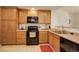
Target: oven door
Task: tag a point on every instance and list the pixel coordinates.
(32, 35)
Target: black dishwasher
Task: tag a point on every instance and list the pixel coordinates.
(68, 46)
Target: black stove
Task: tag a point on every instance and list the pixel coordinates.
(32, 35)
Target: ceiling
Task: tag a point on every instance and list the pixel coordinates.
(40, 7)
(70, 9)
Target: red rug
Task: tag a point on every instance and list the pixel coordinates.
(45, 48)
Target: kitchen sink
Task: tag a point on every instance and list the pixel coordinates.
(62, 32)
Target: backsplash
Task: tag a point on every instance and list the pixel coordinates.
(40, 26)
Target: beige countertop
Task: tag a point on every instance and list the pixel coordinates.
(73, 38)
(39, 30)
(21, 30)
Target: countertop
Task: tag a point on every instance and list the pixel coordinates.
(73, 38)
(39, 30)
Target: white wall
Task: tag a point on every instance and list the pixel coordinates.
(59, 18)
(74, 20)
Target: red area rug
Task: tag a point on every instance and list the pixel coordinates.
(45, 48)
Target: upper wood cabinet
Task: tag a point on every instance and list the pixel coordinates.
(43, 37)
(23, 16)
(9, 13)
(32, 12)
(44, 16)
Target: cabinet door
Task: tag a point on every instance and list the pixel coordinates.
(8, 32)
(47, 17)
(50, 39)
(56, 45)
(44, 16)
(43, 37)
(21, 37)
(0, 32)
(23, 16)
(41, 16)
(8, 38)
(9, 13)
(8, 26)
(0, 24)
(0, 13)
(32, 12)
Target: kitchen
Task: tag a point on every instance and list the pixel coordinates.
(33, 29)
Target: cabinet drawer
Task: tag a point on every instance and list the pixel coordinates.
(21, 41)
(21, 34)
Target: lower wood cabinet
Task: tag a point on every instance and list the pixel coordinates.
(50, 39)
(8, 38)
(54, 41)
(0, 32)
(43, 36)
(0, 25)
(21, 37)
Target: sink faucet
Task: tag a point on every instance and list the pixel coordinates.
(62, 28)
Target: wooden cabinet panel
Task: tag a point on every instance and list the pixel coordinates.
(54, 41)
(44, 16)
(41, 16)
(0, 25)
(0, 13)
(23, 16)
(8, 32)
(8, 26)
(9, 14)
(43, 37)
(56, 44)
(32, 12)
(8, 38)
(21, 37)
(48, 17)
(0, 32)
(50, 39)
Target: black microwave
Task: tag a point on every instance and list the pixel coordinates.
(32, 19)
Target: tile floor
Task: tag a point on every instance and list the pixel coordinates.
(20, 48)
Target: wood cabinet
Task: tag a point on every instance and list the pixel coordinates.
(23, 16)
(32, 12)
(21, 37)
(9, 13)
(8, 31)
(44, 16)
(0, 25)
(8, 38)
(43, 37)
(0, 13)
(50, 39)
(54, 41)
(8, 25)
